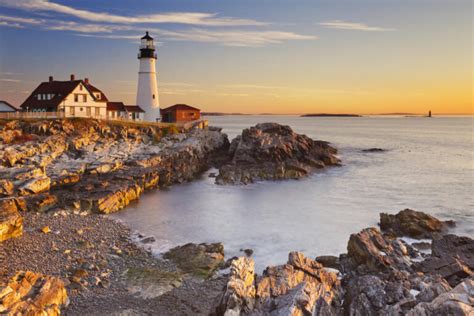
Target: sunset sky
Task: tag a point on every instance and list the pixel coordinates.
(250, 56)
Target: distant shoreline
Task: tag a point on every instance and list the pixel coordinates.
(330, 115)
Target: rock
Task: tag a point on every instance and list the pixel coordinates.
(239, 294)
(200, 260)
(149, 282)
(373, 150)
(413, 224)
(329, 262)
(29, 293)
(6, 188)
(148, 240)
(270, 151)
(458, 301)
(371, 251)
(452, 258)
(46, 230)
(11, 223)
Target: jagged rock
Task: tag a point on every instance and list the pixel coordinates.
(30, 293)
(370, 250)
(6, 188)
(458, 301)
(270, 151)
(413, 224)
(452, 258)
(35, 186)
(239, 294)
(40, 203)
(300, 287)
(11, 223)
(151, 282)
(201, 260)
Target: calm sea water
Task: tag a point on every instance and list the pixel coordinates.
(429, 166)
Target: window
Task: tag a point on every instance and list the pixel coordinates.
(153, 97)
(39, 96)
(71, 110)
(80, 87)
(76, 98)
(97, 111)
(81, 109)
(88, 111)
(98, 95)
(84, 98)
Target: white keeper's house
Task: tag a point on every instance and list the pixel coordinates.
(77, 98)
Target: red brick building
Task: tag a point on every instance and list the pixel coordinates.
(180, 113)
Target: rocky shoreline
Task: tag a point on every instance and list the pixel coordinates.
(59, 252)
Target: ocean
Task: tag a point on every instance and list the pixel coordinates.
(428, 166)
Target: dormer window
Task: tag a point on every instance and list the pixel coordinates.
(39, 96)
(98, 95)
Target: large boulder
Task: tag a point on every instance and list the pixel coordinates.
(413, 224)
(200, 260)
(452, 258)
(458, 301)
(30, 293)
(270, 151)
(300, 287)
(371, 251)
(11, 223)
(239, 295)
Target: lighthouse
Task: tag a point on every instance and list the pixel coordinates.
(147, 91)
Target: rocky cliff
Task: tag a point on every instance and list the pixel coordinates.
(92, 165)
(270, 151)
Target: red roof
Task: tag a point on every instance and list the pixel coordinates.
(134, 108)
(179, 107)
(119, 106)
(60, 89)
(9, 105)
(115, 106)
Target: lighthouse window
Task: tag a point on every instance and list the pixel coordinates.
(153, 96)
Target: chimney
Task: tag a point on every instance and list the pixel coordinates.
(86, 80)
(50, 78)
(73, 77)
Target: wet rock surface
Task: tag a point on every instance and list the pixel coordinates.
(270, 151)
(413, 224)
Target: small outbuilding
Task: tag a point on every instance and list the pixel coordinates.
(118, 110)
(180, 113)
(7, 107)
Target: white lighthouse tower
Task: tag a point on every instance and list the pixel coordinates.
(147, 91)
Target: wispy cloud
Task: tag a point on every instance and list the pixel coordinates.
(9, 80)
(242, 38)
(353, 26)
(15, 19)
(86, 28)
(195, 18)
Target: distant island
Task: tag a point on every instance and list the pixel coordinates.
(220, 114)
(330, 115)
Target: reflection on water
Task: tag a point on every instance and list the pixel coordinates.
(428, 167)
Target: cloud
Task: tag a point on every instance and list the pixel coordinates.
(9, 80)
(342, 25)
(195, 18)
(5, 18)
(86, 28)
(9, 24)
(239, 38)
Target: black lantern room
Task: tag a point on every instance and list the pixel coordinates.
(147, 48)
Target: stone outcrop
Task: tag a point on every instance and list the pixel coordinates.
(95, 165)
(11, 223)
(270, 151)
(379, 275)
(452, 258)
(413, 224)
(30, 293)
(200, 260)
(370, 250)
(458, 301)
(300, 287)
